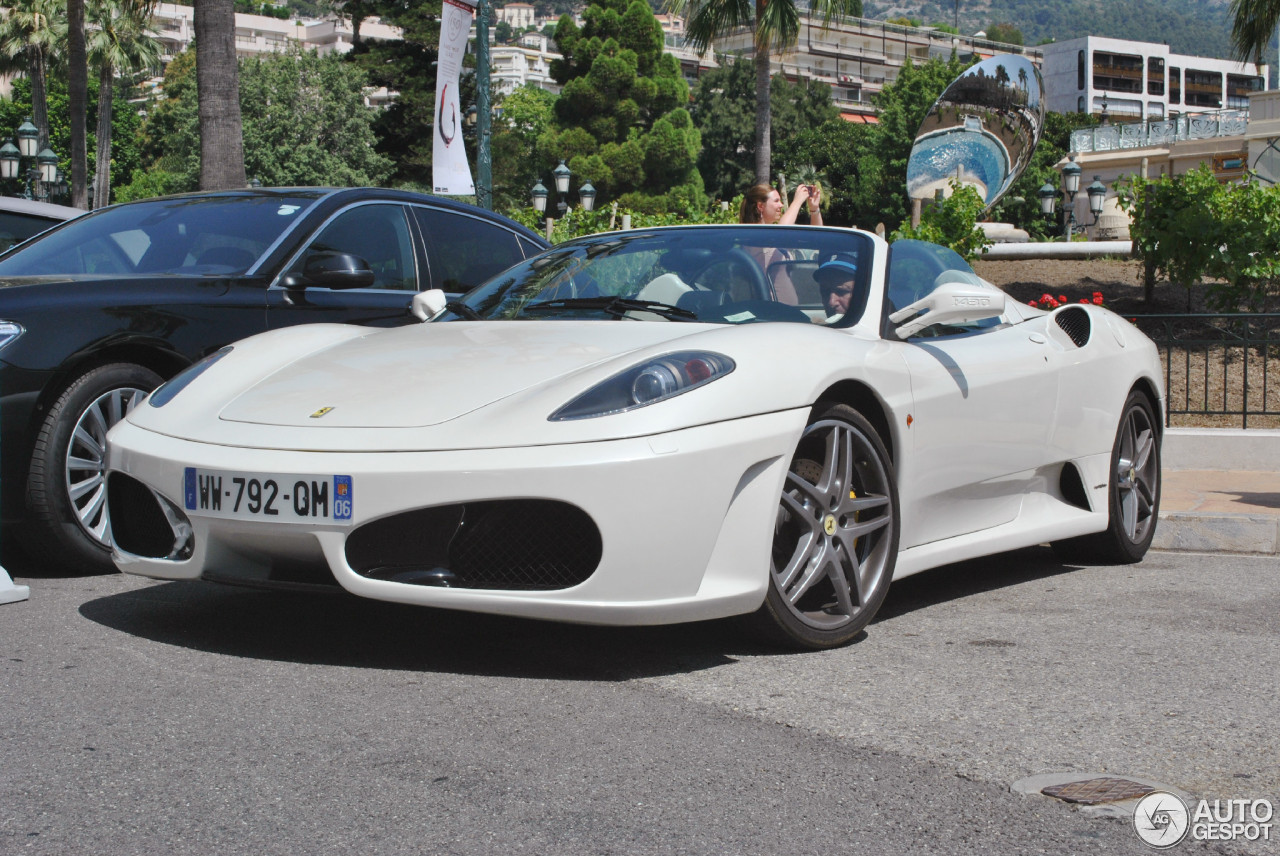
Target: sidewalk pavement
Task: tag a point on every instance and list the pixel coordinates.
(1221, 491)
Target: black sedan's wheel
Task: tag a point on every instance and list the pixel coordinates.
(1133, 496)
(66, 484)
(835, 539)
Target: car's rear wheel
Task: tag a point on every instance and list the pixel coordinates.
(1133, 495)
(66, 483)
(835, 538)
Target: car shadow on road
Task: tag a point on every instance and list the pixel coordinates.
(343, 630)
(972, 577)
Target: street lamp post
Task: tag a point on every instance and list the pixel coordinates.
(41, 173)
(538, 195)
(1097, 193)
(1070, 187)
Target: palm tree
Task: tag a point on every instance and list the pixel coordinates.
(34, 29)
(1253, 23)
(119, 41)
(77, 96)
(218, 94)
(776, 25)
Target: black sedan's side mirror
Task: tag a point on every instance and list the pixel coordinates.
(332, 270)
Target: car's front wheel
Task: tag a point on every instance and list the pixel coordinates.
(66, 483)
(835, 538)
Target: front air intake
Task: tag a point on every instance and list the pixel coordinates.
(143, 523)
(511, 544)
(1075, 322)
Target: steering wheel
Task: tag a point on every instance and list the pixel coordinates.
(760, 287)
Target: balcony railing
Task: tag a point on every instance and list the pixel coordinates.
(1219, 365)
(1136, 135)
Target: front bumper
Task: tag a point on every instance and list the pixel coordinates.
(685, 519)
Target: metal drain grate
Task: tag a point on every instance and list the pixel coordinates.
(1097, 791)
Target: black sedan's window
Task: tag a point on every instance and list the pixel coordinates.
(465, 251)
(184, 235)
(379, 234)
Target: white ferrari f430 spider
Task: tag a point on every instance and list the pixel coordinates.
(655, 426)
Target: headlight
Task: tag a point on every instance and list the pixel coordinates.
(8, 332)
(179, 382)
(652, 381)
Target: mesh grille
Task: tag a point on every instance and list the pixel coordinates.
(1075, 323)
(517, 545)
(138, 526)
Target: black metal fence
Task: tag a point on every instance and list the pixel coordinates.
(1225, 366)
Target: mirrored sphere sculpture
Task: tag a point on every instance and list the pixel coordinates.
(980, 132)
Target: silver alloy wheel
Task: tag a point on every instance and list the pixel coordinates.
(831, 549)
(86, 459)
(1137, 473)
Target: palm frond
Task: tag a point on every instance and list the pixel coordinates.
(779, 25)
(709, 19)
(1253, 23)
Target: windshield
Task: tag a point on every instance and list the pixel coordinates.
(725, 275)
(197, 235)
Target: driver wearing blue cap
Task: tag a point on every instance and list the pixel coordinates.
(837, 277)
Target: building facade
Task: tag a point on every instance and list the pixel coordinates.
(1139, 81)
(858, 57)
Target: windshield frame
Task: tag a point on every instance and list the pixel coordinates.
(704, 268)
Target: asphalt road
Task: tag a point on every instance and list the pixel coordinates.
(173, 718)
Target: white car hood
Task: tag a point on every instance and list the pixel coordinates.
(366, 382)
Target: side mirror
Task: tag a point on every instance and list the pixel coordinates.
(428, 304)
(336, 270)
(955, 302)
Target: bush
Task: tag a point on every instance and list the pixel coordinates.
(951, 222)
(1190, 228)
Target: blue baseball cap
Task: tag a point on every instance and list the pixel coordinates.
(839, 268)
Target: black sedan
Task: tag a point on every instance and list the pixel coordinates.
(98, 312)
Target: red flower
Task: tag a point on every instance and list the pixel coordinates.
(1062, 299)
(1045, 298)
(1097, 300)
(1031, 303)
(1097, 295)
(1084, 300)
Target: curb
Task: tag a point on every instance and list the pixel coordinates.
(1202, 532)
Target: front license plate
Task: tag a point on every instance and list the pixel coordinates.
(276, 497)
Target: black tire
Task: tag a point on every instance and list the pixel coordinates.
(835, 539)
(1133, 494)
(66, 487)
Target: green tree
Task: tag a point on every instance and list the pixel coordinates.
(527, 113)
(724, 113)
(407, 67)
(119, 41)
(622, 122)
(31, 32)
(776, 26)
(1004, 32)
(305, 123)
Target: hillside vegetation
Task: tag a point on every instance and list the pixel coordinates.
(1195, 27)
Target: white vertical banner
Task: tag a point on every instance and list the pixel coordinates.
(450, 174)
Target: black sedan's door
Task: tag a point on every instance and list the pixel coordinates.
(379, 234)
